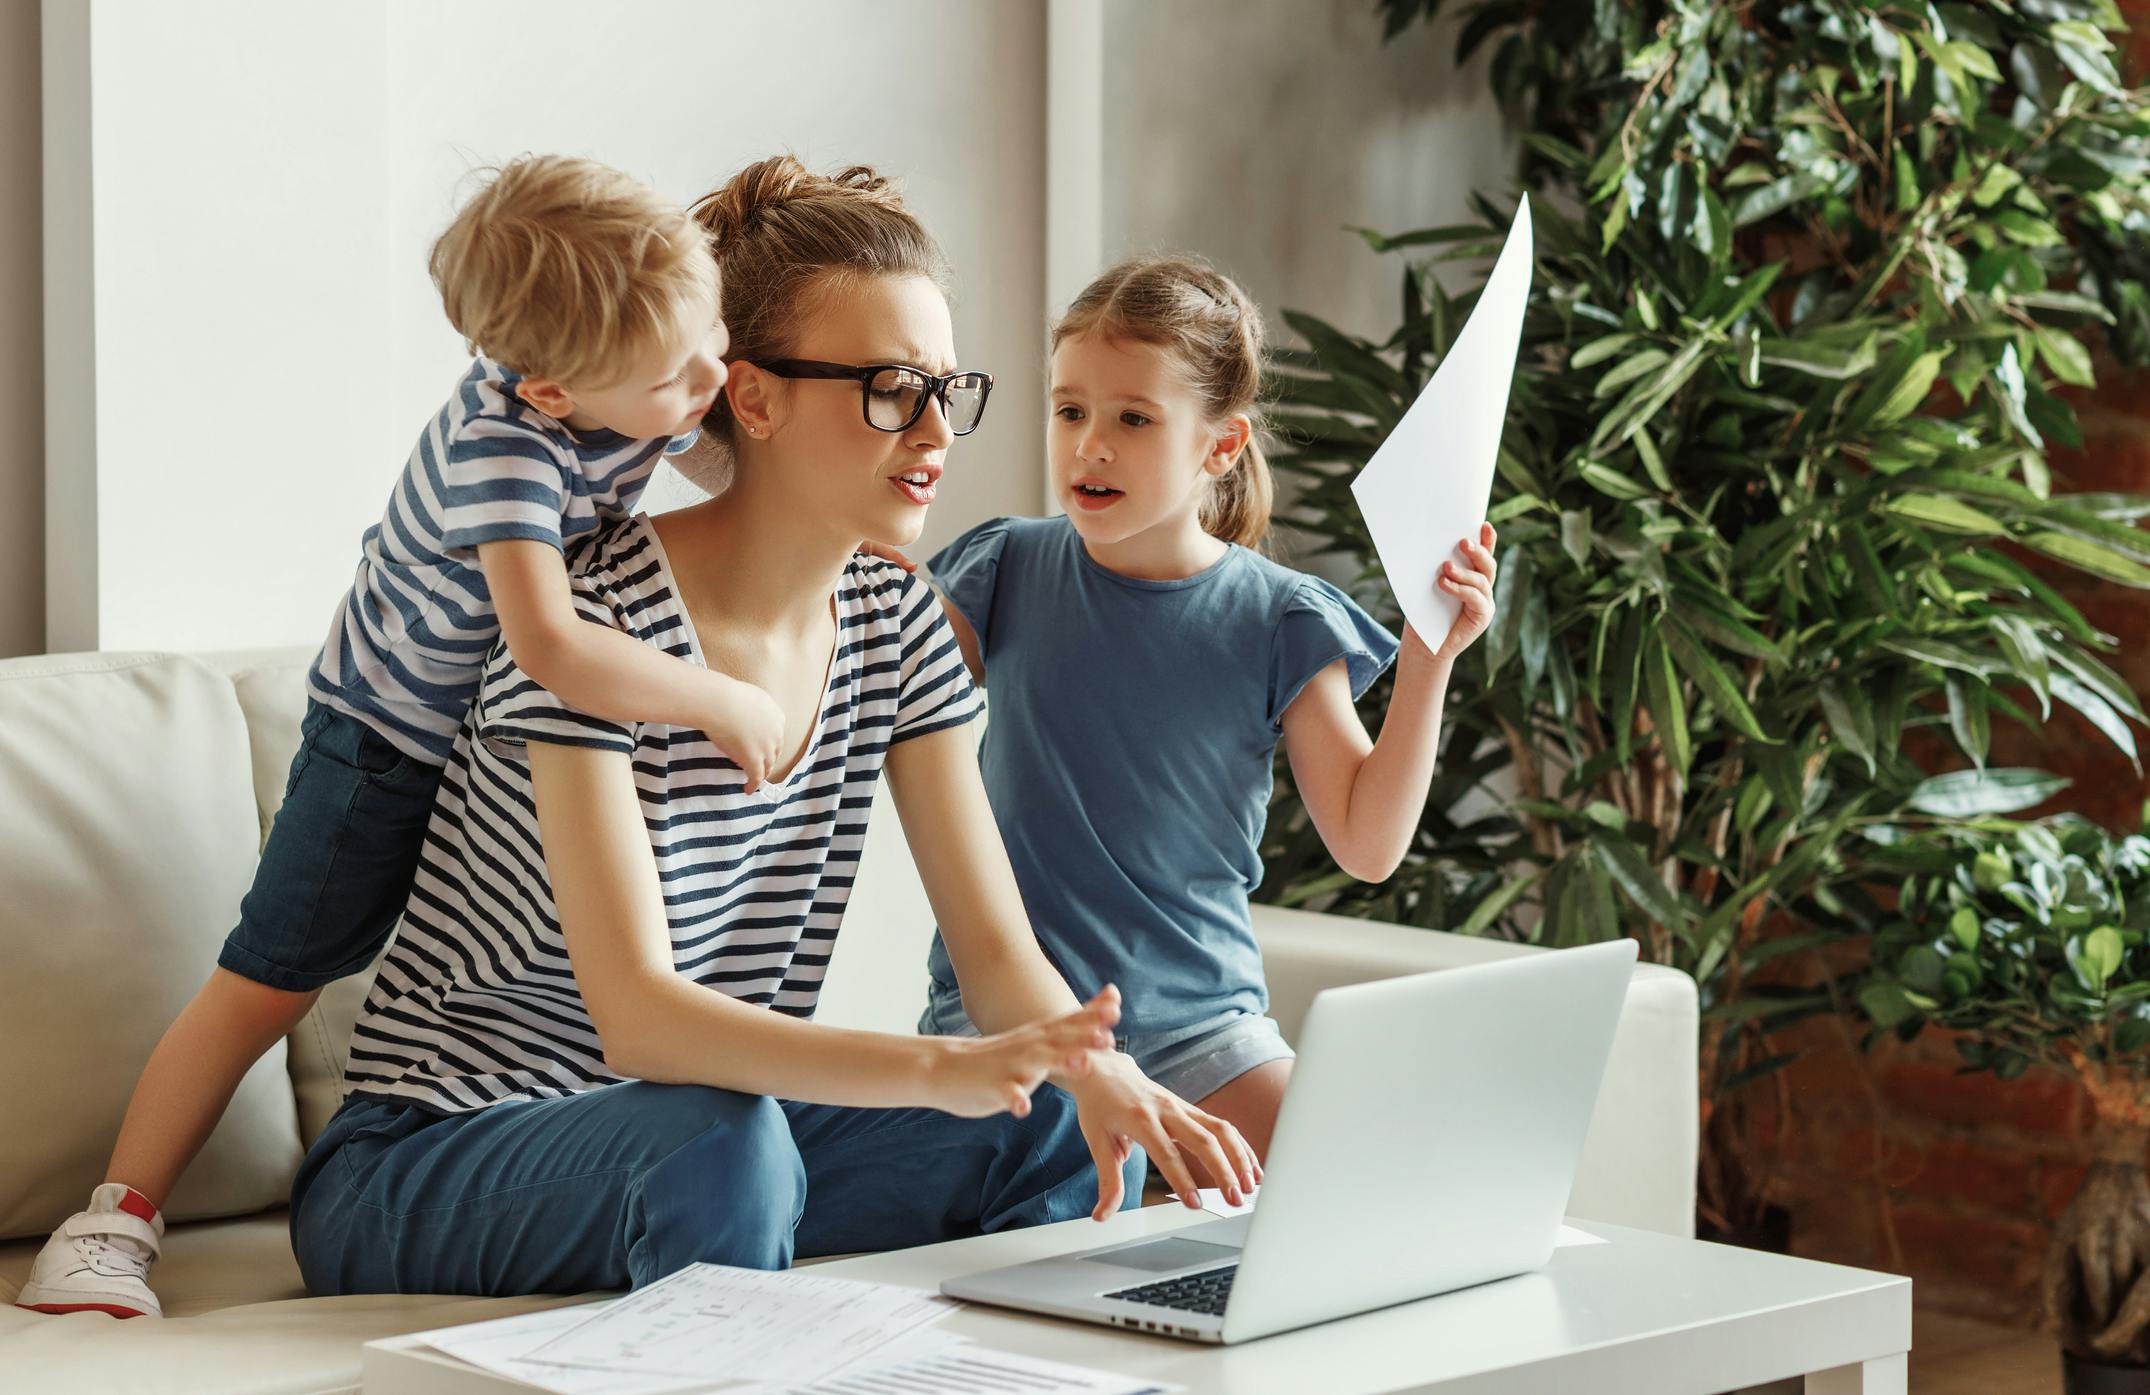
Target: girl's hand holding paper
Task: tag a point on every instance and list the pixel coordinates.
(1470, 584)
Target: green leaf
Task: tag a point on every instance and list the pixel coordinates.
(1511, 592)
(1963, 794)
(2085, 555)
(2100, 680)
(1575, 535)
(1776, 196)
(1712, 227)
(1911, 389)
(1628, 370)
(1947, 514)
(1974, 60)
(2100, 714)
(1668, 710)
(1422, 237)
(1492, 907)
(1707, 619)
(1938, 652)
(1611, 482)
(1967, 719)
(1714, 680)
(1642, 885)
(2102, 953)
(1342, 355)
(1920, 969)
(1819, 360)
(1598, 350)
(1623, 680)
(1885, 1005)
(1851, 720)
(2020, 227)
(2066, 356)
(1653, 464)
(2026, 654)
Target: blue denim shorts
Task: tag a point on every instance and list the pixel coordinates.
(341, 854)
(1192, 1062)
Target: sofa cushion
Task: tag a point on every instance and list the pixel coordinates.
(128, 834)
(237, 1321)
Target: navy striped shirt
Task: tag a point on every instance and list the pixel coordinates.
(476, 1002)
(404, 650)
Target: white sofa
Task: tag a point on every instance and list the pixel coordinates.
(134, 790)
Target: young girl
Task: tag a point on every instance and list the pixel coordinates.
(1147, 660)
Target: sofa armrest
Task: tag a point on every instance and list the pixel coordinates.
(1638, 1166)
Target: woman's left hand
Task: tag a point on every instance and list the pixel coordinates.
(1472, 585)
(1118, 1106)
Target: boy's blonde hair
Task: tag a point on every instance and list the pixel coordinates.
(1195, 312)
(568, 269)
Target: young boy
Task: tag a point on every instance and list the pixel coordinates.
(593, 308)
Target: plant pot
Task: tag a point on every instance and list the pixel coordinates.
(1772, 1232)
(2084, 1375)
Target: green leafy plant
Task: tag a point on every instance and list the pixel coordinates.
(2032, 943)
(1774, 495)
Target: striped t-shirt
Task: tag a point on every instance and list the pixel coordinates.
(404, 650)
(476, 1002)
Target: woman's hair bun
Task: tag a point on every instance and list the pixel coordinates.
(764, 189)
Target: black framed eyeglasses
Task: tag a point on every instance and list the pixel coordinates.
(893, 395)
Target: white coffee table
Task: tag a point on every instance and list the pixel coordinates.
(1643, 1314)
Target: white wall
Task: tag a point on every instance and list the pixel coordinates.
(249, 340)
(263, 181)
(217, 338)
(1256, 131)
(22, 351)
(948, 98)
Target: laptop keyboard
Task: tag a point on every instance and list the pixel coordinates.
(1189, 1293)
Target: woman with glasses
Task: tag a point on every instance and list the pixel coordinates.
(587, 1059)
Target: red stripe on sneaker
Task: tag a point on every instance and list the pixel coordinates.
(136, 1204)
(109, 1309)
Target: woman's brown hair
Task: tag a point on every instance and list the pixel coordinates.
(786, 237)
(1187, 307)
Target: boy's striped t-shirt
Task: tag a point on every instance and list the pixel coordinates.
(476, 1002)
(404, 650)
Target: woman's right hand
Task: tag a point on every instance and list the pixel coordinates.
(977, 1076)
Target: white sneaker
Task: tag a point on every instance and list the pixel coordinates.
(98, 1260)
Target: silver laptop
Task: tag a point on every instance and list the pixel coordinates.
(1428, 1142)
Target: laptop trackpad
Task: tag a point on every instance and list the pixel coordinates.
(1161, 1255)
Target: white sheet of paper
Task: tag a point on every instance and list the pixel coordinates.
(712, 1322)
(498, 1346)
(973, 1370)
(1428, 483)
(1213, 1202)
(1569, 1235)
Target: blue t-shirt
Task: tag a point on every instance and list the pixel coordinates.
(1134, 725)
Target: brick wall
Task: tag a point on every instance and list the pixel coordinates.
(1894, 1161)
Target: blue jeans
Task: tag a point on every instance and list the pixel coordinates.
(620, 1186)
(341, 855)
